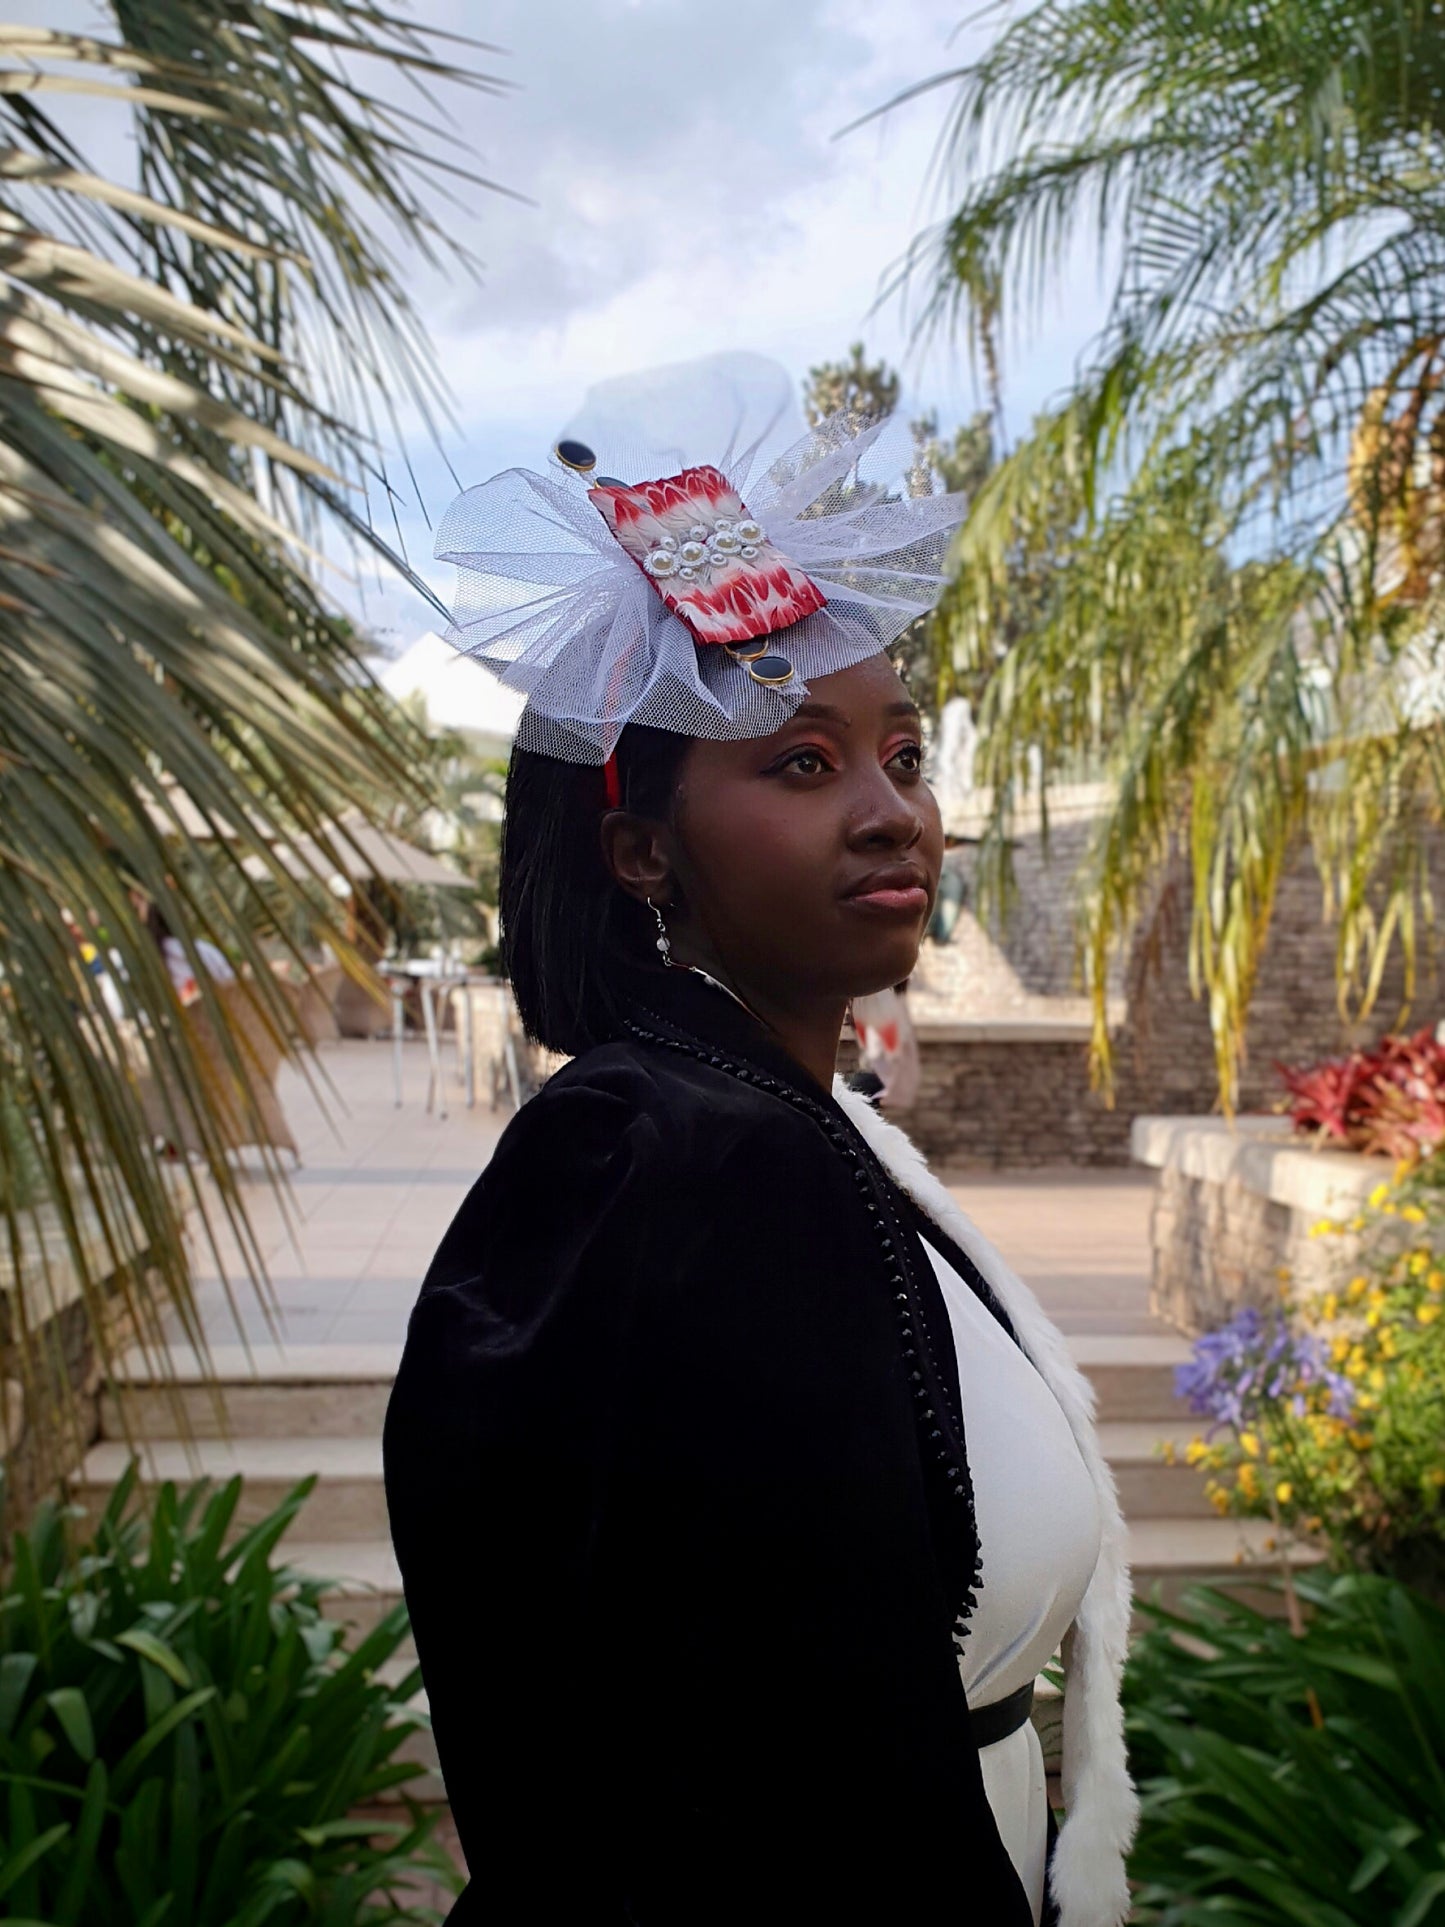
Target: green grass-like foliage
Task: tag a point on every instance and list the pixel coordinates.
(183, 1736)
(1253, 1811)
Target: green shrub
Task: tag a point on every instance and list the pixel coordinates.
(1291, 1779)
(184, 1738)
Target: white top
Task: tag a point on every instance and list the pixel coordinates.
(216, 963)
(1038, 1528)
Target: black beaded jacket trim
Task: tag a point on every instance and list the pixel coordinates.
(937, 1417)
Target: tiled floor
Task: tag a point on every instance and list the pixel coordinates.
(379, 1184)
(1080, 1237)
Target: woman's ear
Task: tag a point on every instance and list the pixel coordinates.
(635, 851)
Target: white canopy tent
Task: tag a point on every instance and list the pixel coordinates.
(458, 693)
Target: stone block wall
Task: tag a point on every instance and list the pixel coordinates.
(1233, 1212)
(1010, 1104)
(1013, 1102)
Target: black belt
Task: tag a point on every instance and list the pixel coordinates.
(995, 1722)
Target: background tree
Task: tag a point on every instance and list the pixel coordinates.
(959, 464)
(193, 368)
(1242, 630)
(865, 389)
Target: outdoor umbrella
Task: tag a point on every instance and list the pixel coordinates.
(361, 851)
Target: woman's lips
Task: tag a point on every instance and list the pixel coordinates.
(910, 900)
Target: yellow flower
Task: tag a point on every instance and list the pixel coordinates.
(1412, 1214)
(1284, 1492)
(1436, 1281)
(1249, 1481)
(1357, 1289)
(1419, 1263)
(1195, 1451)
(1387, 1338)
(1355, 1224)
(1377, 1379)
(1283, 1272)
(1250, 1444)
(1427, 1314)
(1367, 1403)
(1339, 1348)
(1323, 1228)
(1330, 1309)
(1379, 1195)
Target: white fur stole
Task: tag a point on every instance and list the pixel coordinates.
(1087, 1872)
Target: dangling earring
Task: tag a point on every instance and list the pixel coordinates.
(663, 942)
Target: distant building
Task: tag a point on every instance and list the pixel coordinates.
(459, 695)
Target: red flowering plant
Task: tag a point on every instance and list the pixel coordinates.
(1389, 1100)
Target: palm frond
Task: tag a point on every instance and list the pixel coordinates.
(1245, 563)
(234, 317)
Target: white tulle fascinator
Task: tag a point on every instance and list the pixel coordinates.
(692, 558)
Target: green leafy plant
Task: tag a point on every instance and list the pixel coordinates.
(1291, 1778)
(185, 1738)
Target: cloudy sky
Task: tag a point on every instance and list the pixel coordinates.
(688, 189)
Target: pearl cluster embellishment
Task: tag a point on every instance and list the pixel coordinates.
(704, 549)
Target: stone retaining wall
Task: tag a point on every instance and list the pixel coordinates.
(1015, 1102)
(1010, 1097)
(1234, 1209)
(50, 1400)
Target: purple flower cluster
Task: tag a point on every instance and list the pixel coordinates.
(1251, 1362)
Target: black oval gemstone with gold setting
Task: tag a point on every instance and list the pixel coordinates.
(575, 455)
(771, 669)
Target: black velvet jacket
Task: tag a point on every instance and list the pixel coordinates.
(678, 1488)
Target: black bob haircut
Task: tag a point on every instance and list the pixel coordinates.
(570, 935)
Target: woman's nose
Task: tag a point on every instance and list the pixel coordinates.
(883, 815)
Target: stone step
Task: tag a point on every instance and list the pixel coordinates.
(1168, 1555)
(1149, 1487)
(366, 1576)
(1132, 1373)
(302, 1391)
(340, 1391)
(349, 1501)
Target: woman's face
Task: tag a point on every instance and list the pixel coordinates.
(807, 862)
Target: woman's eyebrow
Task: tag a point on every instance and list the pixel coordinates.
(826, 713)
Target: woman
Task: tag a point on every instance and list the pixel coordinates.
(739, 1489)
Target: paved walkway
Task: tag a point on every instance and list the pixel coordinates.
(379, 1184)
(377, 1187)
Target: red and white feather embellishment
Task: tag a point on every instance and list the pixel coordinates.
(709, 560)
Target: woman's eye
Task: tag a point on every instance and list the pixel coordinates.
(808, 762)
(910, 758)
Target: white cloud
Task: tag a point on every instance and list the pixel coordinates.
(689, 193)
